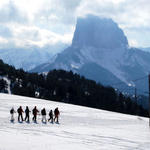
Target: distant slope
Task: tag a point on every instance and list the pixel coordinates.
(98, 73)
(80, 128)
(29, 58)
(24, 58)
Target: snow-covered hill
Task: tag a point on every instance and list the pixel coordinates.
(80, 128)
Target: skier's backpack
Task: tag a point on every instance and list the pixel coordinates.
(42, 111)
(11, 111)
(56, 111)
(51, 114)
(33, 111)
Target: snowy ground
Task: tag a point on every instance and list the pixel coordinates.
(80, 128)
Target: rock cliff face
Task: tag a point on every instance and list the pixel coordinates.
(100, 51)
(99, 33)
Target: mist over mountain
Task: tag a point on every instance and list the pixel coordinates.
(100, 42)
(29, 58)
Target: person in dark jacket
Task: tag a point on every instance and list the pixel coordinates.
(12, 111)
(20, 111)
(51, 116)
(43, 113)
(56, 113)
(27, 114)
(35, 111)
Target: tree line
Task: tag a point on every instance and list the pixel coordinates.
(68, 87)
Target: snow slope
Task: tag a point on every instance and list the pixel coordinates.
(80, 128)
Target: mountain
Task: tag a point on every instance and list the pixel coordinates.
(29, 58)
(80, 128)
(100, 51)
(22, 58)
(98, 33)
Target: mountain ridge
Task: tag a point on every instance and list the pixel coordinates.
(29, 58)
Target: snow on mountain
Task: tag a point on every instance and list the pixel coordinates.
(80, 128)
(99, 41)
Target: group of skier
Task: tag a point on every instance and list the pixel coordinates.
(53, 117)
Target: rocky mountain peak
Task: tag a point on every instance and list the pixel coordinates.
(98, 32)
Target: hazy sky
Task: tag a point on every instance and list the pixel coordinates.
(25, 23)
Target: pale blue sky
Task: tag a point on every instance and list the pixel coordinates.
(27, 23)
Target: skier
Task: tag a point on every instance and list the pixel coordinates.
(27, 112)
(51, 116)
(43, 113)
(12, 111)
(34, 111)
(20, 111)
(57, 113)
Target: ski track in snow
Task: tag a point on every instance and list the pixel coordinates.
(80, 128)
